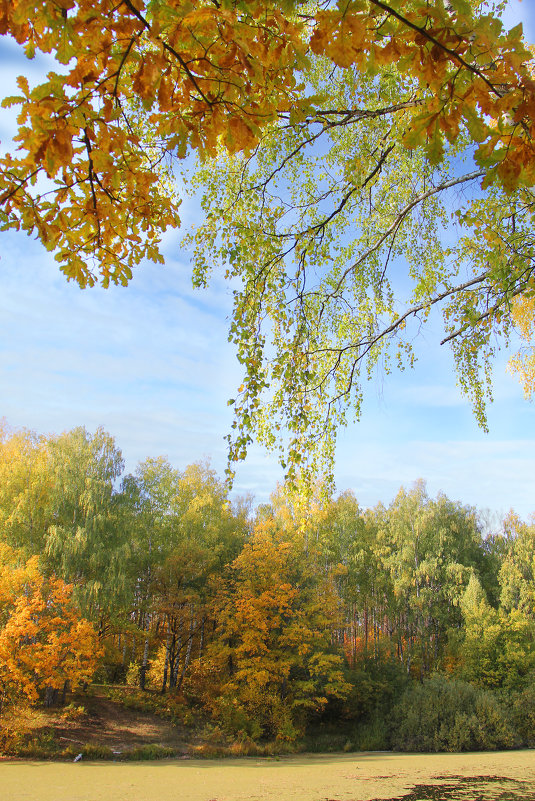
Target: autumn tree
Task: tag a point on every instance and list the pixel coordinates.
(207, 536)
(273, 654)
(25, 490)
(44, 642)
(136, 83)
(342, 136)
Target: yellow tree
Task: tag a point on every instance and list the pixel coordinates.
(44, 642)
(274, 653)
(26, 486)
(523, 363)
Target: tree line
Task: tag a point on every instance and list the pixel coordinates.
(270, 619)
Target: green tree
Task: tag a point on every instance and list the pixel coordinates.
(334, 235)
(431, 548)
(517, 574)
(84, 543)
(498, 647)
(203, 534)
(350, 544)
(149, 517)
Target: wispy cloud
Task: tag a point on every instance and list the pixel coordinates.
(152, 364)
(495, 474)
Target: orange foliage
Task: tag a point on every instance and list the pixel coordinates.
(43, 640)
(276, 623)
(143, 80)
(146, 80)
(478, 76)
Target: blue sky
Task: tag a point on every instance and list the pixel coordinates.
(151, 364)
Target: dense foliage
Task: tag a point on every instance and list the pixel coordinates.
(399, 626)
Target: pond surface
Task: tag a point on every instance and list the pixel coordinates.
(471, 788)
(503, 776)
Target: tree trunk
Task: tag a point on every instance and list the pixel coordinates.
(201, 640)
(51, 696)
(144, 665)
(173, 678)
(166, 663)
(188, 651)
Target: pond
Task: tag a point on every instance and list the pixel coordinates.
(503, 776)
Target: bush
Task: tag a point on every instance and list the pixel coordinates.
(258, 717)
(18, 726)
(40, 745)
(73, 712)
(442, 714)
(327, 741)
(523, 713)
(372, 734)
(132, 674)
(236, 720)
(148, 752)
(96, 752)
(110, 673)
(374, 687)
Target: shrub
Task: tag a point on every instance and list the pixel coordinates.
(132, 675)
(236, 720)
(40, 745)
(72, 712)
(148, 752)
(96, 752)
(523, 713)
(18, 726)
(324, 739)
(110, 673)
(442, 714)
(372, 734)
(375, 685)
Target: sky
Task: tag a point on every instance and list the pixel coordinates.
(152, 365)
